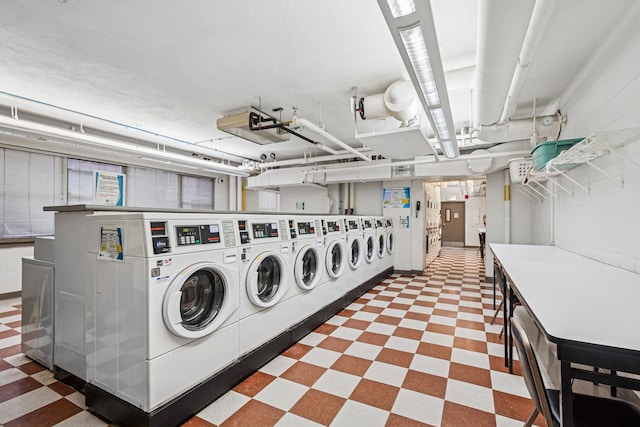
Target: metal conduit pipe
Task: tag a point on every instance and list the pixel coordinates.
(425, 161)
(341, 155)
(542, 12)
(318, 130)
(507, 206)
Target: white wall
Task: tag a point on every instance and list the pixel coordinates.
(368, 198)
(473, 221)
(11, 267)
(315, 199)
(602, 224)
(520, 214)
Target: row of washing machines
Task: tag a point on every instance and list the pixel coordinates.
(180, 298)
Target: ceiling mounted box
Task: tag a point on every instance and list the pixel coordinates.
(238, 123)
(398, 144)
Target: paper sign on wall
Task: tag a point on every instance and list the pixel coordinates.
(108, 188)
(396, 197)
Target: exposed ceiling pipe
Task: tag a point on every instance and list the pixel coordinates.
(430, 159)
(501, 29)
(39, 129)
(341, 155)
(318, 130)
(73, 117)
(542, 13)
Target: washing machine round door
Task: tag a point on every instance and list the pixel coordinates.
(390, 242)
(199, 300)
(307, 267)
(355, 252)
(266, 282)
(371, 248)
(335, 259)
(382, 244)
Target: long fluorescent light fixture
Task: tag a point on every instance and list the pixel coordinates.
(412, 28)
(108, 143)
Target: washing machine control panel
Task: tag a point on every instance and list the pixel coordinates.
(306, 228)
(353, 224)
(292, 229)
(265, 230)
(197, 234)
(379, 223)
(368, 223)
(333, 226)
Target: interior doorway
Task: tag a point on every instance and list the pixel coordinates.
(453, 223)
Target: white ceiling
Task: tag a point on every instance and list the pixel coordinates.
(173, 68)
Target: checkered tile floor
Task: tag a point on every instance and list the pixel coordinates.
(414, 351)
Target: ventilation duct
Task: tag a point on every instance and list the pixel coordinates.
(246, 123)
(398, 101)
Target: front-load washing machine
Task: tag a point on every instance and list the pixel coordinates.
(388, 259)
(166, 297)
(355, 251)
(381, 237)
(265, 277)
(370, 252)
(335, 258)
(308, 267)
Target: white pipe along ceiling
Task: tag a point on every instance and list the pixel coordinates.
(119, 100)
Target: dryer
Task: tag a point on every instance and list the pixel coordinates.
(265, 278)
(166, 296)
(308, 267)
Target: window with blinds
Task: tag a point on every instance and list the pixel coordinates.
(80, 179)
(29, 181)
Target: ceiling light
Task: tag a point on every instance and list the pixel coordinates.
(419, 58)
(401, 7)
(39, 130)
(412, 29)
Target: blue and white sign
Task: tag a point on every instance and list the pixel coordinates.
(108, 188)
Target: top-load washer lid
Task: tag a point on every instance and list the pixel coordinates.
(266, 282)
(382, 244)
(390, 242)
(307, 267)
(335, 259)
(371, 248)
(199, 300)
(355, 252)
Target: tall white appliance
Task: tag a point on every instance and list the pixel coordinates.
(165, 321)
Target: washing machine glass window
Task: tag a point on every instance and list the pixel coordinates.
(307, 268)
(371, 244)
(390, 246)
(268, 279)
(381, 245)
(201, 300)
(334, 260)
(265, 280)
(355, 258)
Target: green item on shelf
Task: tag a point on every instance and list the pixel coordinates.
(546, 151)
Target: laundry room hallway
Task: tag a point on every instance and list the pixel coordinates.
(416, 350)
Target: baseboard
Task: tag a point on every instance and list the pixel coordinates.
(11, 295)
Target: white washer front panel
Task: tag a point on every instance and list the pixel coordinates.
(199, 300)
(266, 284)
